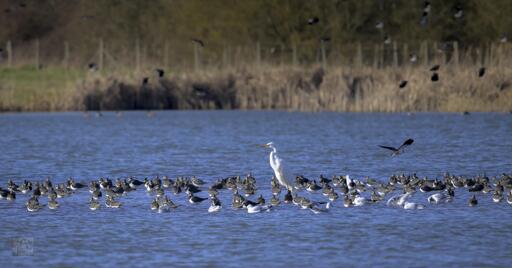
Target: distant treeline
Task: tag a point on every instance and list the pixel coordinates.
(137, 32)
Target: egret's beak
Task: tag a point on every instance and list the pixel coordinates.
(263, 145)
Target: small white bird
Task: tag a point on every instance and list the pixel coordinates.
(277, 165)
(439, 198)
(257, 208)
(398, 200)
(359, 201)
(411, 205)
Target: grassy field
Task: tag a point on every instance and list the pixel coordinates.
(29, 89)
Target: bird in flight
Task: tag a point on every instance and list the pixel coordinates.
(403, 83)
(197, 41)
(481, 72)
(313, 21)
(398, 150)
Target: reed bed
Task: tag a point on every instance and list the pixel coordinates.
(358, 89)
(366, 80)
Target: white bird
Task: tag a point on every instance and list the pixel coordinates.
(412, 205)
(398, 200)
(214, 208)
(439, 198)
(317, 210)
(359, 201)
(257, 208)
(277, 165)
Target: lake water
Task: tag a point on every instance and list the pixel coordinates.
(215, 144)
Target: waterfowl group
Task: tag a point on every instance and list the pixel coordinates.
(408, 192)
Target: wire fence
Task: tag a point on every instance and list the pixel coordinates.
(139, 56)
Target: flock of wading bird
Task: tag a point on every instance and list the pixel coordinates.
(397, 190)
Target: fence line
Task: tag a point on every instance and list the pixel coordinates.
(325, 54)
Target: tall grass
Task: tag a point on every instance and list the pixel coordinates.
(346, 83)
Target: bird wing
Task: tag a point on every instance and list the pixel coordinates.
(389, 148)
(406, 143)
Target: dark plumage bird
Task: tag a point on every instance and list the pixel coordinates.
(504, 38)
(398, 150)
(160, 73)
(426, 7)
(413, 57)
(387, 40)
(325, 39)
(403, 83)
(459, 12)
(435, 68)
(145, 81)
(93, 67)
(473, 202)
(195, 199)
(424, 19)
(481, 72)
(313, 21)
(434, 77)
(197, 41)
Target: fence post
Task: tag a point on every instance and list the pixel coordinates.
(258, 54)
(425, 53)
(405, 55)
(225, 56)
(37, 54)
(455, 56)
(196, 56)
(294, 59)
(9, 54)
(137, 55)
(359, 55)
(100, 54)
(324, 57)
(144, 55)
(66, 55)
(395, 55)
(376, 56)
(166, 54)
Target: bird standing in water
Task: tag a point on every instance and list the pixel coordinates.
(277, 165)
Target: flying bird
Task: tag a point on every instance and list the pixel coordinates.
(426, 7)
(413, 57)
(459, 12)
(504, 38)
(398, 150)
(160, 73)
(434, 77)
(197, 41)
(424, 19)
(313, 21)
(435, 68)
(325, 39)
(93, 67)
(481, 72)
(387, 40)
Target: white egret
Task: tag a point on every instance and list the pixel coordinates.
(277, 165)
